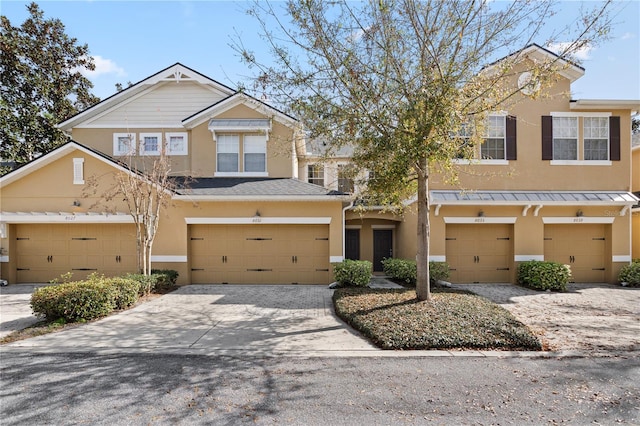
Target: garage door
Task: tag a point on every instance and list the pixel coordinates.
(581, 246)
(479, 253)
(259, 254)
(45, 251)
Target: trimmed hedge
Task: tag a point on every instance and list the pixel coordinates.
(540, 275)
(165, 278)
(630, 274)
(146, 283)
(84, 300)
(353, 272)
(406, 271)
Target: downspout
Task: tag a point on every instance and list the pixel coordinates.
(344, 228)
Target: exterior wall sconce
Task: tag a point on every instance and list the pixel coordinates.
(480, 213)
(579, 213)
(76, 203)
(257, 213)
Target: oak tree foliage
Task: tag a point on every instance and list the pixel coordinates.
(398, 79)
(42, 84)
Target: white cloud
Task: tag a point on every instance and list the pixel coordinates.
(582, 54)
(627, 36)
(104, 66)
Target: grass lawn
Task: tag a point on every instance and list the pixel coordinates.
(395, 319)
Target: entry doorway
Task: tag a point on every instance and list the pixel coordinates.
(352, 244)
(382, 247)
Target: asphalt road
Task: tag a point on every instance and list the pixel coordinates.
(137, 389)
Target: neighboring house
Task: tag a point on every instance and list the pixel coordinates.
(267, 206)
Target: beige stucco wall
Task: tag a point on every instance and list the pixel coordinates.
(51, 189)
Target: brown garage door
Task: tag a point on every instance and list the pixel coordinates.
(479, 253)
(259, 254)
(581, 246)
(45, 251)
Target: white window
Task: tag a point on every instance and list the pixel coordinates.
(345, 182)
(177, 143)
(78, 171)
(315, 174)
(227, 148)
(565, 138)
(124, 143)
(493, 146)
(255, 154)
(150, 143)
(596, 138)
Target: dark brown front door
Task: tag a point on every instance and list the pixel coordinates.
(382, 247)
(352, 244)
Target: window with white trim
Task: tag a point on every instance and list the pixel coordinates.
(315, 174)
(176, 143)
(493, 146)
(565, 138)
(124, 143)
(255, 153)
(345, 181)
(596, 138)
(227, 149)
(150, 143)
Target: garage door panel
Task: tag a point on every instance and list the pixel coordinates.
(261, 254)
(46, 251)
(479, 253)
(581, 246)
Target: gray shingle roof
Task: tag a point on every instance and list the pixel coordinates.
(533, 197)
(228, 186)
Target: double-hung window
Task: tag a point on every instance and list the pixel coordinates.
(228, 153)
(255, 154)
(565, 138)
(315, 174)
(586, 138)
(596, 138)
(150, 143)
(345, 182)
(493, 146)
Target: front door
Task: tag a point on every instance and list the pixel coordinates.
(382, 247)
(352, 244)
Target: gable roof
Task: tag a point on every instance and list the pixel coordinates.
(568, 69)
(173, 73)
(238, 98)
(55, 154)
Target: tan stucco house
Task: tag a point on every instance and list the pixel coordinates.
(264, 206)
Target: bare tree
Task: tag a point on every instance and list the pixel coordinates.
(399, 79)
(145, 186)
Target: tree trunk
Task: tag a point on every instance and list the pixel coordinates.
(423, 287)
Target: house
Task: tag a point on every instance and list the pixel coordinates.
(635, 187)
(266, 206)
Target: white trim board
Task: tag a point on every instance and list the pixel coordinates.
(550, 220)
(257, 220)
(528, 257)
(163, 258)
(479, 220)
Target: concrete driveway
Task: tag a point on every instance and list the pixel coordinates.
(299, 320)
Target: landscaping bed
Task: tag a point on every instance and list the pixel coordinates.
(453, 319)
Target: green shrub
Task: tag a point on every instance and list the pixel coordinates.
(630, 274)
(146, 283)
(544, 275)
(75, 301)
(353, 272)
(127, 291)
(165, 278)
(406, 270)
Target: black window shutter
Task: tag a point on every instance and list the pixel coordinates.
(547, 137)
(512, 152)
(614, 138)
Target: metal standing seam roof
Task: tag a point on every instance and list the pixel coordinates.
(532, 197)
(239, 123)
(229, 186)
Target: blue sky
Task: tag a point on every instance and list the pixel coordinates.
(132, 40)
